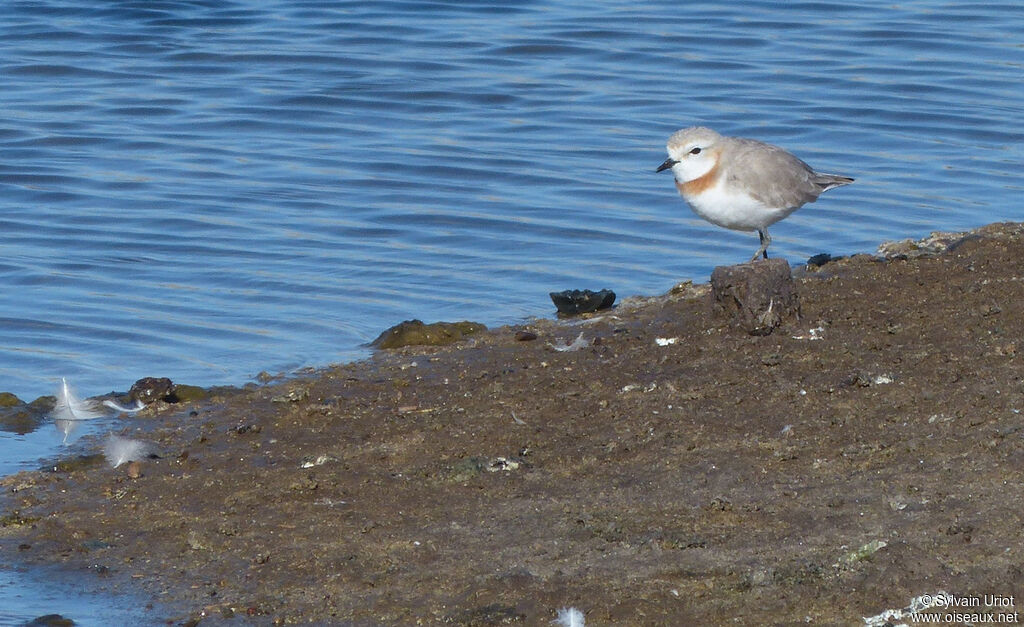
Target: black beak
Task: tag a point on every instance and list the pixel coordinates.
(668, 163)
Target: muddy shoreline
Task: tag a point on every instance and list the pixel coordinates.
(866, 454)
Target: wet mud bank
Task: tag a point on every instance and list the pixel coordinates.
(653, 464)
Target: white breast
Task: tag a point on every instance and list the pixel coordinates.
(734, 209)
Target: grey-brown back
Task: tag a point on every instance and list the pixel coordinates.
(773, 176)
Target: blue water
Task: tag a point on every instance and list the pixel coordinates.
(29, 594)
(205, 189)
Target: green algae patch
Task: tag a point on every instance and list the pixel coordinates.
(467, 469)
(15, 519)
(44, 403)
(82, 462)
(190, 393)
(417, 333)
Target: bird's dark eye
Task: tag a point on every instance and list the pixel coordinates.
(695, 151)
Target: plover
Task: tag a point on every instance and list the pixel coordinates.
(742, 184)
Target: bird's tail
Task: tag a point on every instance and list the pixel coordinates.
(828, 181)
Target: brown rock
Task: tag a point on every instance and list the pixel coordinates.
(758, 296)
(150, 389)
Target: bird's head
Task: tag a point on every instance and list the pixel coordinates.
(692, 153)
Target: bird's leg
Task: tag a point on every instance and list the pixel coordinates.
(765, 241)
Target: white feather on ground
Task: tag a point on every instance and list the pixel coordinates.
(576, 345)
(569, 617)
(139, 406)
(120, 450)
(69, 407)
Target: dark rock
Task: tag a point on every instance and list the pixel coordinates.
(572, 302)
(416, 333)
(821, 259)
(525, 336)
(757, 296)
(9, 400)
(50, 620)
(151, 389)
(266, 377)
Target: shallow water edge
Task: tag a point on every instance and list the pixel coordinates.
(670, 467)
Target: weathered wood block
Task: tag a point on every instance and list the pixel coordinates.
(758, 296)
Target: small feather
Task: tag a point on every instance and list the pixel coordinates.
(576, 345)
(139, 406)
(569, 617)
(120, 450)
(69, 407)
